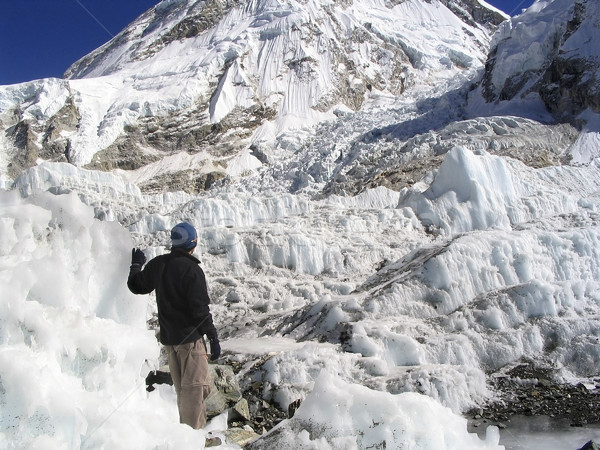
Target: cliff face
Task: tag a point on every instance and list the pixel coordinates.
(547, 52)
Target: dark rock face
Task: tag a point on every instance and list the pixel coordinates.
(568, 81)
(25, 134)
(200, 17)
(571, 85)
(472, 12)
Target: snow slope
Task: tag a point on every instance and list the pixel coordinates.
(385, 311)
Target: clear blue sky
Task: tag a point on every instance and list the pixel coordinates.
(42, 38)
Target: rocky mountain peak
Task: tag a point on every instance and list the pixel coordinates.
(180, 20)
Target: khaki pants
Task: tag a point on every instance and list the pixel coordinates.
(189, 369)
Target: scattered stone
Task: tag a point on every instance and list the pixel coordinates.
(246, 406)
(215, 403)
(224, 390)
(529, 390)
(240, 410)
(212, 442)
(241, 436)
(224, 380)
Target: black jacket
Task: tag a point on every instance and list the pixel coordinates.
(181, 295)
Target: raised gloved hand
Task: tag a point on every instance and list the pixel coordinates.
(215, 348)
(137, 257)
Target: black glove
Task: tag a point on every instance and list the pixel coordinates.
(137, 257)
(215, 348)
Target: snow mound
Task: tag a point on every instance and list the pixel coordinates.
(342, 415)
(74, 344)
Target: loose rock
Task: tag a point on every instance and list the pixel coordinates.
(529, 390)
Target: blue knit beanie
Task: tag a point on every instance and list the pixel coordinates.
(184, 236)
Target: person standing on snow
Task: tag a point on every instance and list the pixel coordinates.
(184, 318)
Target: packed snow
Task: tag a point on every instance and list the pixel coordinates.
(381, 312)
(75, 345)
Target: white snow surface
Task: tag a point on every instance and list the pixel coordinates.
(382, 312)
(510, 270)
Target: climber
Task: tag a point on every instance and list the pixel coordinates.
(184, 318)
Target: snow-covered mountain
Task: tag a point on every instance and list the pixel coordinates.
(398, 206)
(217, 83)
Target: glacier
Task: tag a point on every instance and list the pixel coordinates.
(449, 304)
(385, 308)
